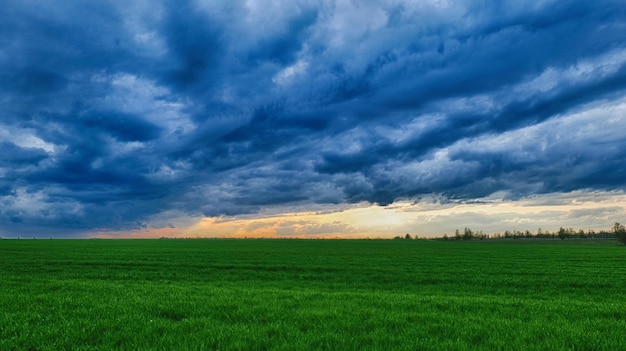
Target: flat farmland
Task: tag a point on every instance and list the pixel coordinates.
(312, 295)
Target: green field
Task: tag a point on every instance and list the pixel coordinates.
(312, 295)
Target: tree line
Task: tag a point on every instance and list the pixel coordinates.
(618, 231)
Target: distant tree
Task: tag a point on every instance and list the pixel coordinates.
(457, 235)
(620, 232)
(408, 236)
(591, 233)
(445, 237)
(482, 235)
(562, 233)
(467, 234)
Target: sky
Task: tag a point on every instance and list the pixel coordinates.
(314, 119)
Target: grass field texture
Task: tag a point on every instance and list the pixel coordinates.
(312, 295)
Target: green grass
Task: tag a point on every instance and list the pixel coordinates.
(311, 295)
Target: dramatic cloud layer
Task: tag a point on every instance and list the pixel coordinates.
(117, 116)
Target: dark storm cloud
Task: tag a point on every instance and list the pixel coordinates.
(196, 45)
(283, 48)
(119, 125)
(16, 156)
(115, 113)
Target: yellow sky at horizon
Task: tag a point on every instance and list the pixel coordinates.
(578, 210)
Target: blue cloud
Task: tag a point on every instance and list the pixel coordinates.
(116, 113)
(196, 47)
(283, 48)
(119, 125)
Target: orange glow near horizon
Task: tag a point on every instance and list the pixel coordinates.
(576, 210)
(360, 222)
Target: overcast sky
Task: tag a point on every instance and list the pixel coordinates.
(321, 118)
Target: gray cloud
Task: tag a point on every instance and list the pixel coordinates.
(113, 114)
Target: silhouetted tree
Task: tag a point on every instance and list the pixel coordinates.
(467, 234)
(620, 232)
(562, 233)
